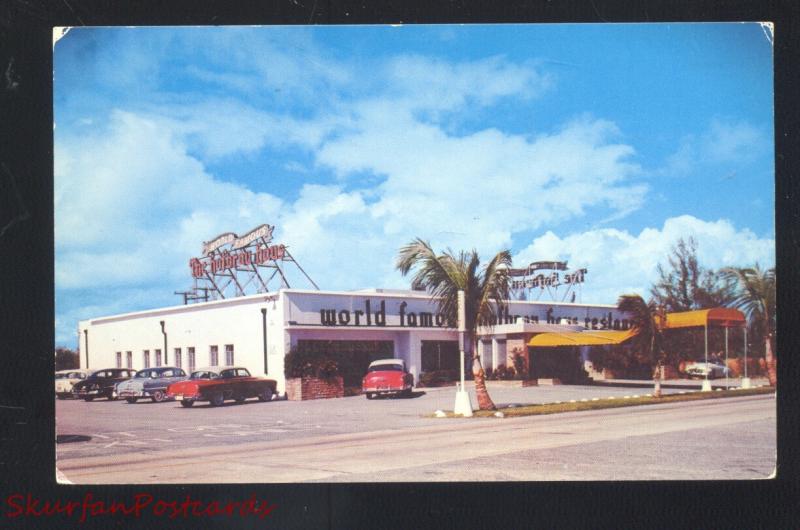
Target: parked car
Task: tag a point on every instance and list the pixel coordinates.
(150, 382)
(218, 383)
(712, 368)
(387, 376)
(66, 379)
(101, 383)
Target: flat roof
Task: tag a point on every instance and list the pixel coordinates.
(266, 297)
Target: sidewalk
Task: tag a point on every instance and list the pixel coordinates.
(683, 384)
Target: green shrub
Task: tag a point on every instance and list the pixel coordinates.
(504, 373)
(300, 363)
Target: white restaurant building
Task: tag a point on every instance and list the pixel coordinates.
(257, 331)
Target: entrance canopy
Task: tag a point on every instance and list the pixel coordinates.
(719, 316)
(581, 338)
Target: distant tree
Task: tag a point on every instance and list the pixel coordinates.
(66, 359)
(684, 285)
(755, 296)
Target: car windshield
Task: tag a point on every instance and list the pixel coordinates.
(143, 374)
(386, 368)
(204, 375)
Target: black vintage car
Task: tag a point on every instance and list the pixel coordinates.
(101, 383)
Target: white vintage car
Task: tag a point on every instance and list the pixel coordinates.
(65, 379)
(712, 369)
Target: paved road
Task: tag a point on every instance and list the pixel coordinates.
(120, 428)
(719, 439)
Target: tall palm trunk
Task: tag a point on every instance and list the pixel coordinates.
(479, 376)
(772, 374)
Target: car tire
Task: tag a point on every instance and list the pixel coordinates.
(217, 399)
(131, 400)
(406, 393)
(186, 403)
(61, 396)
(265, 395)
(88, 398)
(370, 395)
(158, 396)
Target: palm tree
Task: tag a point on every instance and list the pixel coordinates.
(485, 293)
(756, 298)
(642, 317)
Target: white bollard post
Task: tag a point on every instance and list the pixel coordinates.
(463, 404)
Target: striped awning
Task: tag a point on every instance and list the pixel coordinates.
(581, 338)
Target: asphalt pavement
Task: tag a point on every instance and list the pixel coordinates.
(103, 427)
(730, 438)
(659, 441)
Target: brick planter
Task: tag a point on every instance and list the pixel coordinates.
(302, 389)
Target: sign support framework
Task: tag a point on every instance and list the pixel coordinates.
(232, 265)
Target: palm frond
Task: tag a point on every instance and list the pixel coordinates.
(443, 275)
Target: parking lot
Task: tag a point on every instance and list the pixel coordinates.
(103, 427)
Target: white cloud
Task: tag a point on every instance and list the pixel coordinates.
(729, 141)
(131, 205)
(423, 83)
(482, 187)
(620, 262)
(725, 141)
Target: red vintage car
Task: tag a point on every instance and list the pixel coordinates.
(387, 376)
(218, 383)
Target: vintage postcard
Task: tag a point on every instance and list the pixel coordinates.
(413, 253)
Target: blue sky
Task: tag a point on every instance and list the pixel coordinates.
(598, 144)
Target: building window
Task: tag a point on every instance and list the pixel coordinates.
(213, 355)
(439, 355)
(119, 359)
(178, 358)
(190, 353)
(128, 359)
(158, 357)
(146, 358)
(229, 354)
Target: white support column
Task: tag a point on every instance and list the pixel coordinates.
(745, 380)
(495, 354)
(726, 358)
(414, 349)
(706, 383)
